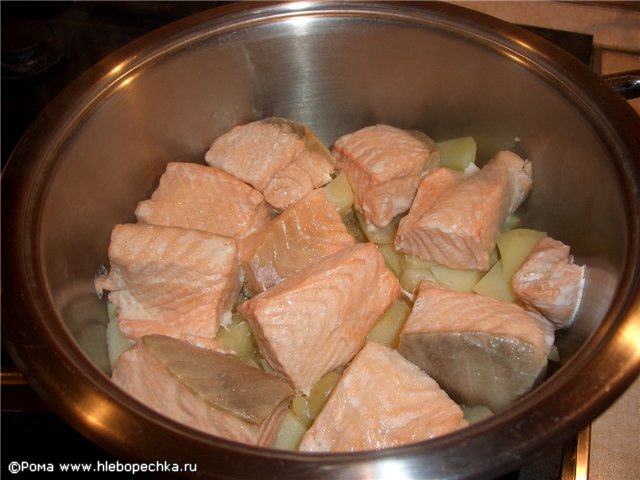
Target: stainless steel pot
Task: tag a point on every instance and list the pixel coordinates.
(99, 148)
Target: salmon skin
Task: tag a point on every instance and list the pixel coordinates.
(318, 318)
(204, 198)
(384, 165)
(171, 281)
(280, 158)
(303, 233)
(480, 350)
(550, 282)
(381, 401)
(203, 389)
(455, 218)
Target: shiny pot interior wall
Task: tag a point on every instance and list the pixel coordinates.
(339, 75)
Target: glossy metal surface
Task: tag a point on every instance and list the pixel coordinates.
(101, 146)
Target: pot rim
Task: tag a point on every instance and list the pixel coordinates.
(52, 360)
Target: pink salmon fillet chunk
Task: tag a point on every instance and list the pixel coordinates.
(303, 233)
(381, 401)
(481, 351)
(318, 318)
(206, 390)
(204, 198)
(550, 282)
(384, 165)
(171, 281)
(455, 218)
(280, 158)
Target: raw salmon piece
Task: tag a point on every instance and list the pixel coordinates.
(206, 390)
(303, 233)
(318, 318)
(280, 158)
(384, 165)
(382, 401)
(171, 281)
(455, 218)
(481, 351)
(550, 282)
(204, 198)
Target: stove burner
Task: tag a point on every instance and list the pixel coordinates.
(28, 48)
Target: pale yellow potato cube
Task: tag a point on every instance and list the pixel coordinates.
(117, 343)
(411, 278)
(383, 235)
(239, 338)
(476, 413)
(387, 329)
(512, 221)
(457, 153)
(456, 279)
(392, 258)
(300, 406)
(320, 392)
(290, 434)
(494, 284)
(411, 262)
(515, 246)
(339, 193)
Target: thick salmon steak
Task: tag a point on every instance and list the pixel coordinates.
(206, 390)
(171, 281)
(455, 218)
(318, 318)
(480, 350)
(384, 165)
(204, 198)
(282, 159)
(381, 401)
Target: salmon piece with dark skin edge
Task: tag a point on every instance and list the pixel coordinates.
(302, 234)
(455, 218)
(480, 350)
(382, 401)
(206, 390)
(550, 282)
(318, 318)
(384, 166)
(280, 158)
(204, 198)
(171, 281)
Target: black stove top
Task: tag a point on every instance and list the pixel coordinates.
(45, 46)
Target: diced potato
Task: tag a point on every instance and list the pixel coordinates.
(456, 279)
(475, 414)
(387, 329)
(339, 193)
(379, 235)
(320, 392)
(117, 343)
(392, 258)
(554, 354)
(300, 406)
(515, 246)
(290, 433)
(457, 153)
(512, 221)
(411, 262)
(411, 278)
(495, 285)
(238, 337)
